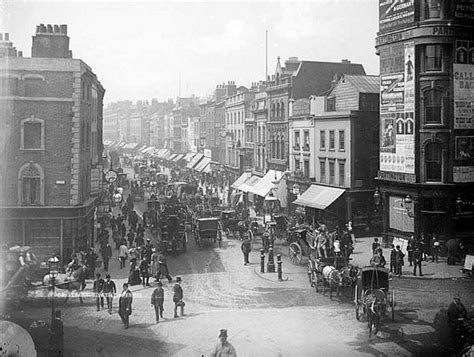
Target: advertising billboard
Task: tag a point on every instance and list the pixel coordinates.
(397, 119)
(395, 14)
(463, 95)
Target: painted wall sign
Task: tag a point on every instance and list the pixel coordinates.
(464, 148)
(463, 173)
(395, 14)
(463, 90)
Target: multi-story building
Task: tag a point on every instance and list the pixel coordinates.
(426, 177)
(185, 108)
(334, 152)
(298, 79)
(260, 113)
(51, 110)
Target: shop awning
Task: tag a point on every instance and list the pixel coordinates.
(189, 156)
(202, 164)
(165, 154)
(171, 157)
(207, 169)
(319, 197)
(265, 185)
(178, 157)
(248, 185)
(195, 160)
(244, 177)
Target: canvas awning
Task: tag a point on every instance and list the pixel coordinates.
(171, 157)
(207, 169)
(165, 154)
(244, 177)
(319, 197)
(202, 164)
(195, 160)
(248, 184)
(189, 156)
(178, 157)
(265, 185)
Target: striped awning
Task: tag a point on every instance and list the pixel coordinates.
(319, 197)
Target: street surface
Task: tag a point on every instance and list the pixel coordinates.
(263, 316)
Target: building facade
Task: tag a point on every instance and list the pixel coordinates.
(52, 111)
(426, 179)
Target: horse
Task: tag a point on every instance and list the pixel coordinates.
(75, 282)
(331, 278)
(348, 276)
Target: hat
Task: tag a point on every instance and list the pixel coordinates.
(223, 333)
(107, 276)
(457, 297)
(178, 279)
(148, 240)
(160, 283)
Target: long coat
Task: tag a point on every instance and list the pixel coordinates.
(125, 302)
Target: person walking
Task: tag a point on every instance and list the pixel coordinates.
(125, 305)
(417, 259)
(178, 297)
(375, 245)
(163, 268)
(246, 248)
(393, 259)
(410, 250)
(144, 273)
(98, 289)
(434, 249)
(399, 261)
(109, 291)
(106, 253)
(123, 254)
(154, 264)
(157, 299)
(56, 341)
(223, 348)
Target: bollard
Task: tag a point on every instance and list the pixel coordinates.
(280, 276)
(271, 262)
(262, 261)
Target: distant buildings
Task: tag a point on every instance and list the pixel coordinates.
(51, 111)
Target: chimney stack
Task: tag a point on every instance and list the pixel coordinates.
(51, 42)
(1, 36)
(7, 37)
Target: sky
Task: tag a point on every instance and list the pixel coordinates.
(162, 49)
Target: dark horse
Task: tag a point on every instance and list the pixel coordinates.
(74, 282)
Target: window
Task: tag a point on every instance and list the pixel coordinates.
(306, 168)
(297, 140)
(322, 140)
(297, 164)
(332, 172)
(31, 185)
(282, 108)
(432, 101)
(32, 134)
(432, 9)
(433, 58)
(433, 162)
(342, 173)
(282, 147)
(273, 147)
(306, 139)
(322, 170)
(331, 140)
(273, 110)
(342, 138)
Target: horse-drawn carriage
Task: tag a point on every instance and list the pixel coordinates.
(174, 236)
(372, 296)
(230, 224)
(208, 229)
(137, 191)
(282, 228)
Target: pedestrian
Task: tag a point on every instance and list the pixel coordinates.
(399, 261)
(109, 291)
(375, 245)
(56, 341)
(223, 348)
(157, 299)
(144, 273)
(417, 259)
(98, 289)
(393, 259)
(130, 237)
(178, 297)
(125, 305)
(91, 258)
(106, 252)
(123, 254)
(337, 247)
(425, 246)
(378, 259)
(434, 249)
(410, 250)
(163, 268)
(154, 263)
(246, 248)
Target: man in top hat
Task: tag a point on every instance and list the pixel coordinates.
(125, 305)
(157, 299)
(178, 297)
(224, 348)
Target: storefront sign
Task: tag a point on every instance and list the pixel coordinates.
(464, 148)
(394, 14)
(442, 31)
(95, 181)
(463, 84)
(464, 10)
(396, 176)
(463, 173)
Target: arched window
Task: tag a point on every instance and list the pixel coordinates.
(282, 147)
(461, 55)
(273, 109)
(31, 185)
(277, 147)
(282, 109)
(432, 102)
(273, 147)
(433, 162)
(32, 134)
(278, 109)
(263, 159)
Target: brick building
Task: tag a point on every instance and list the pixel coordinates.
(51, 110)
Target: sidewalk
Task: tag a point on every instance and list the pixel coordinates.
(363, 253)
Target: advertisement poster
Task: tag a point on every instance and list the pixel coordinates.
(395, 14)
(391, 92)
(464, 148)
(409, 76)
(463, 96)
(463, 173)
(399, 218)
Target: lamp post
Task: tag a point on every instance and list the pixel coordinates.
(377, 197)
(53, 264)
(459, 204)
(409, 205)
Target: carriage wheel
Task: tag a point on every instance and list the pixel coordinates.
(227, 233)
(295, 253)
(316, 282)
(392, 305)
(219, 239)
(358, 311)
(357, 304)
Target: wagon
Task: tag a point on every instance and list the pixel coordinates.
(174, 236)
(208, 229)
(281, 227)
(230, 224)
(372, 296)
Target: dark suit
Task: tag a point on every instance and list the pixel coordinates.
(125, 306)
(157, 299)
(177, 297)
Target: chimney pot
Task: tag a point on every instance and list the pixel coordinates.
(38, 29)
(43, 28)
(63, 29)
(1, 36)
(56, 28)
(20, 53)
(7, 37)
(50, 28)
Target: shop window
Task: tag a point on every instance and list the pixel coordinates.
(31, 185)
(433, 58)
(322, 140)
(433, 162)
(332, 140)
(32, 134)
(432, 9)
(342, 139)
(432, 103)
(332, 172)
(322, 170)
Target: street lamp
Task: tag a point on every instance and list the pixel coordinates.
(53, 264)
(409, 205)
(459, 204)
(377, 197)
(296, 189)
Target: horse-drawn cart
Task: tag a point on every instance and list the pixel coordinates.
(208, 229)
(372, 296)
(230, 224)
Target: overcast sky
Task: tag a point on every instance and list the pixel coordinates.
(139, 50)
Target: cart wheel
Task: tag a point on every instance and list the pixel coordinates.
(219, 239)
(227, 233)
(357, 311)
(295, 253)
(316, 282)
(392, 305)
(370, 323)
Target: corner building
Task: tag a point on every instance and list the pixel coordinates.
(426, 177)
(51, 119)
